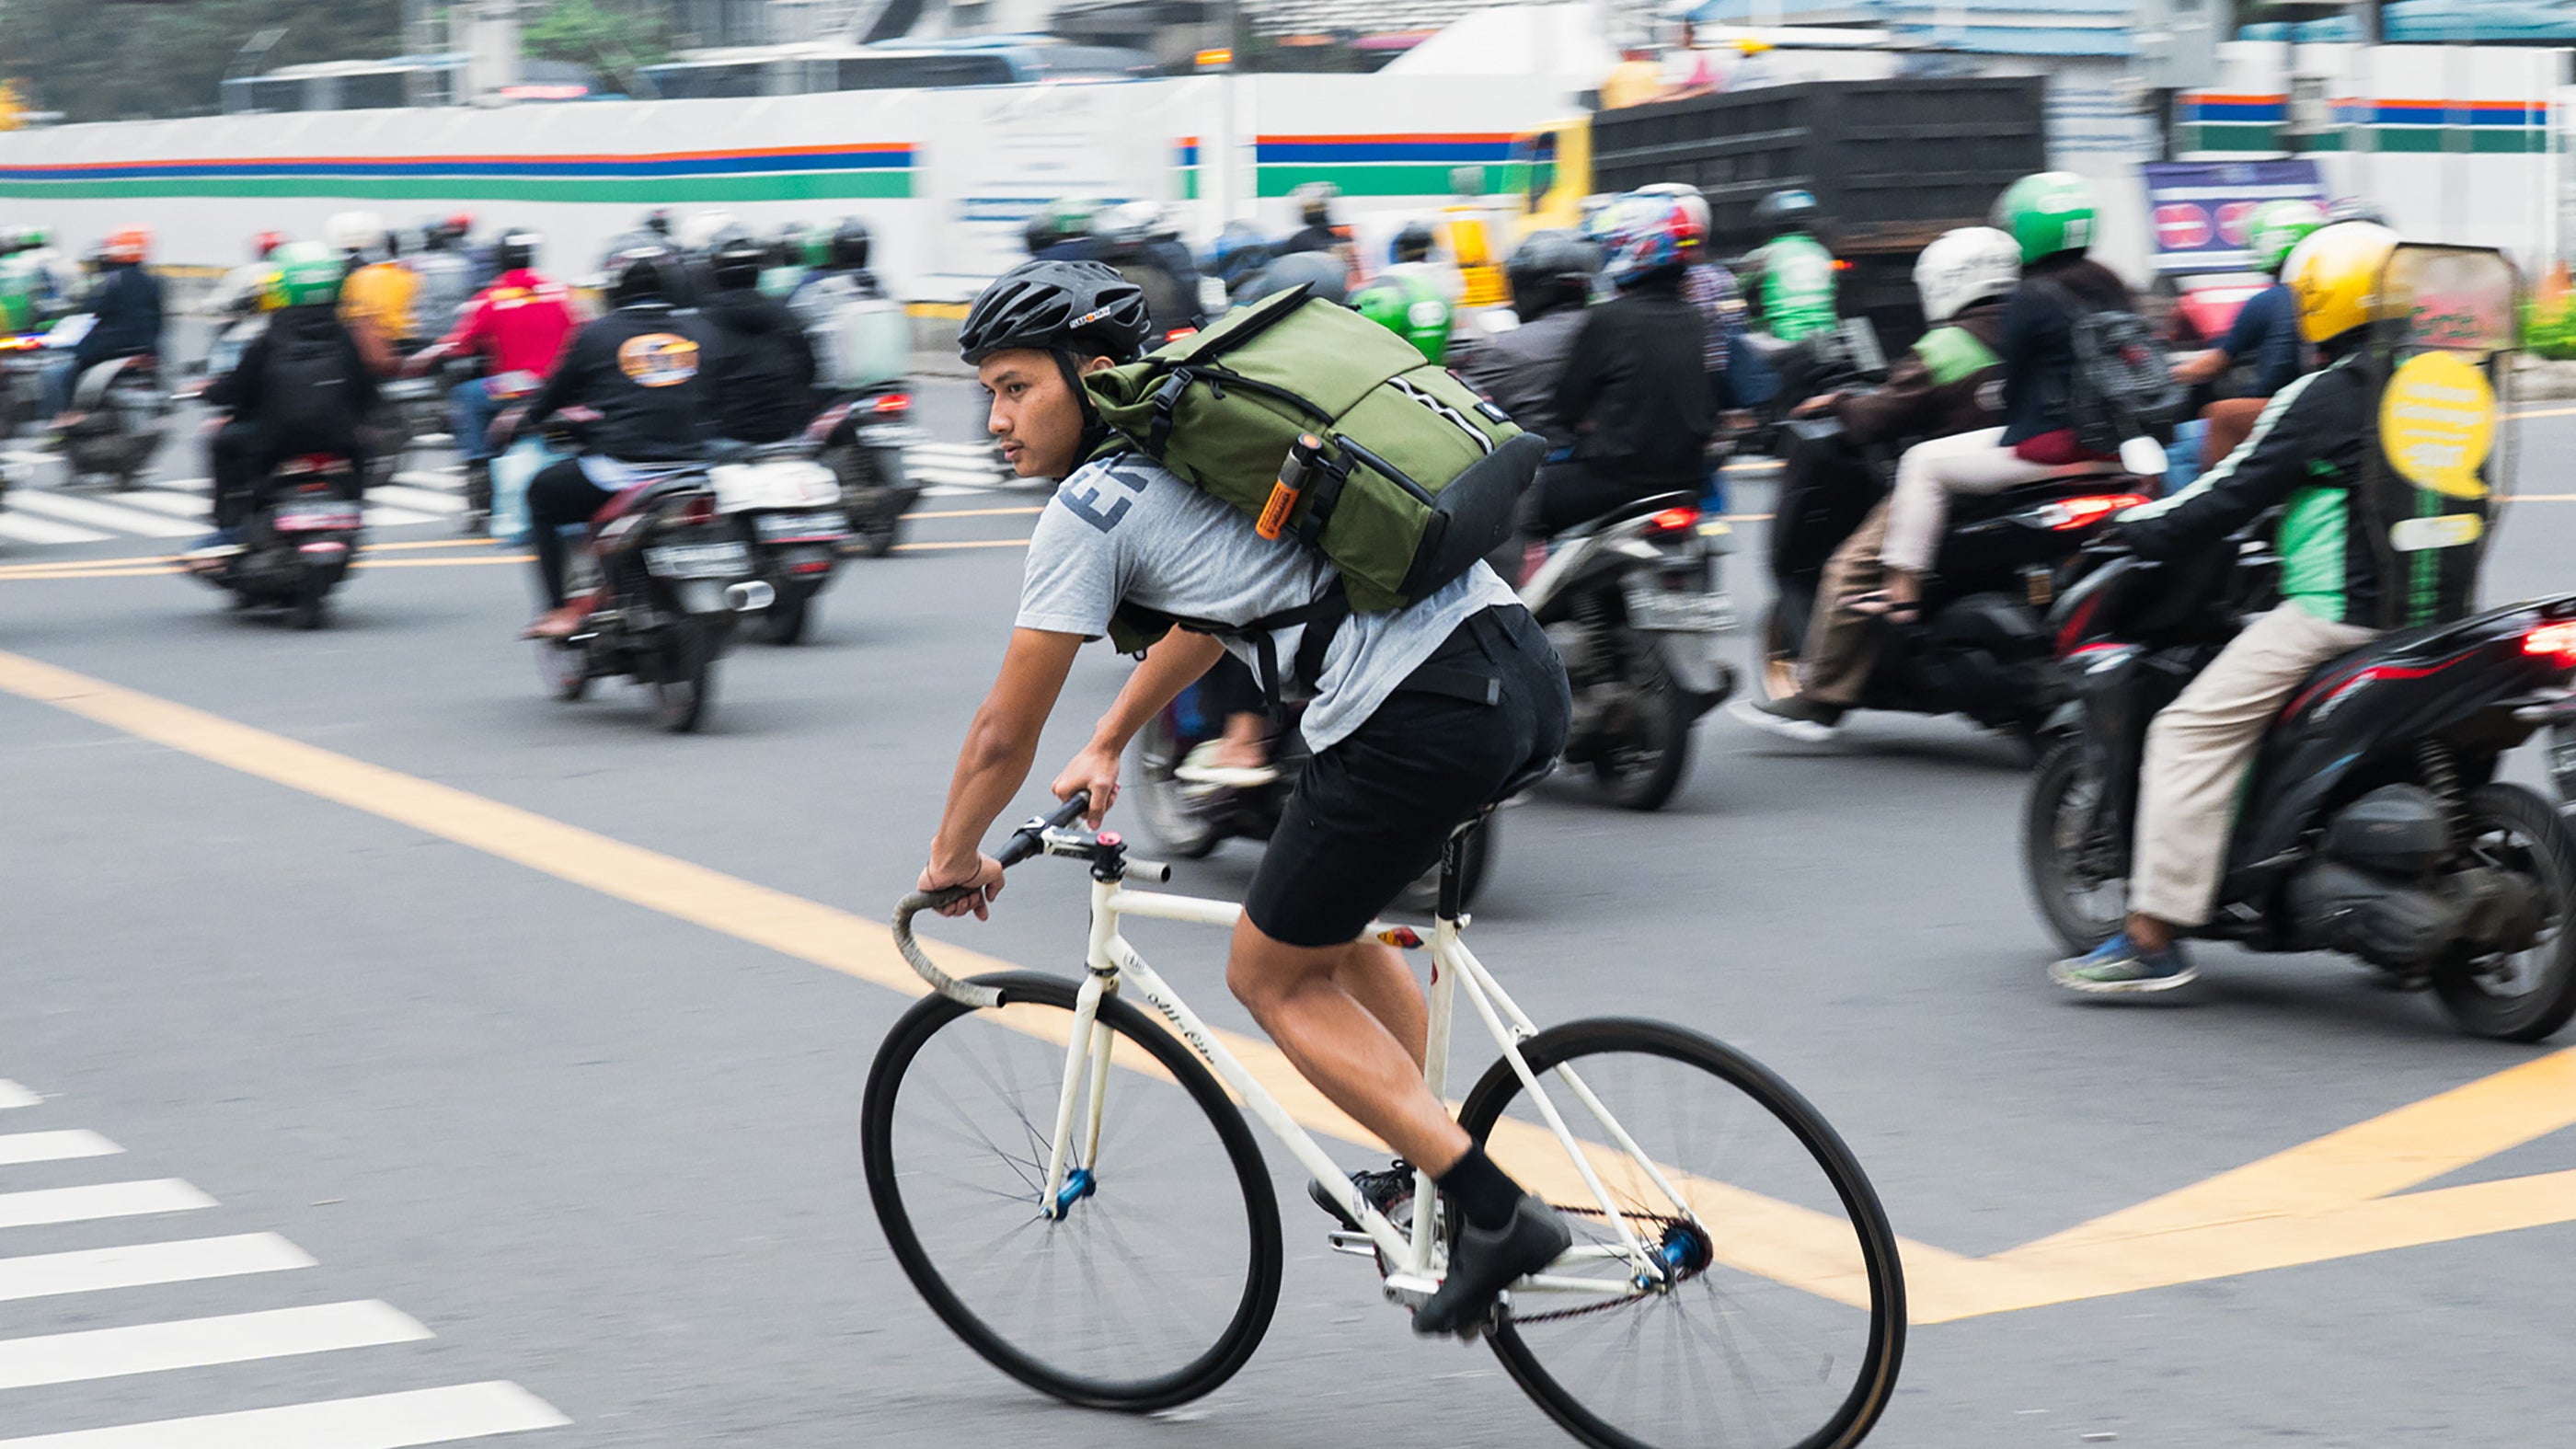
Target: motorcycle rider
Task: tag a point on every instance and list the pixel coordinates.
(1950, 382)
(1636, 389)
(378, 299)
(1793, 272)
(2051, 216)
(1396, 766)
(520, 324)
(1409, 305)
(2307, 456)
(125, 307)
(759, 365)
(301, 386)
(1709, 286)
(243, 289)
(1060, 231)
(2265, 333)
(1316, 231)
(641, 368)
(445, 274)
(1550, 275)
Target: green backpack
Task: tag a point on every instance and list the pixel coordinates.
(1405, 477)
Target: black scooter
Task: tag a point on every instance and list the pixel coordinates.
(862, 440)
(2373, 823)
(296, 545)
(1981, 646)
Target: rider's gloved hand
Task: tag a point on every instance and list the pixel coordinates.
(985, 874)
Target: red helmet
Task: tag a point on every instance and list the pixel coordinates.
(460, 223)
(128, 244)
(265, 242)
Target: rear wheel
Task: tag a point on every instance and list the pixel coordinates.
(1777, 1317)
(1642, 767)
(2524, 995)
(2065, 855)
(1156, 1272)
(311, 604)
(786, 620)
(685, 680)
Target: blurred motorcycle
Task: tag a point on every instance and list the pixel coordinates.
(296, 545)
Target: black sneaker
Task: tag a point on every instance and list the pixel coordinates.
(1485, 1261)
(1389, 1191)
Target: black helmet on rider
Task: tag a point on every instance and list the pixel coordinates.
(737, 258)
(638, 275)
(658, 221)
(1080, 310)
(1551, 270)
(1413, 244)
(1784, 212)
(850, 244)
(516, 250)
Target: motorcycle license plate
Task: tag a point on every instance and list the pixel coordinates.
(1692, 613)
(730, 559)
(776, 527)
(318, 518)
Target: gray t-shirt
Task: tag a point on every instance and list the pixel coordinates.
(1122, 530)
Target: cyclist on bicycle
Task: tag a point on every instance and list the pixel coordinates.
(1422, 717)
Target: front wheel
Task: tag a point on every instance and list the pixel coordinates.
(1776, 1314)
(1641, 767)
(1155, 1274)
(2524, 995)
(2065, 854)
(565, 669)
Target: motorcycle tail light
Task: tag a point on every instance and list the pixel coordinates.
(2554, 641)
(699, 510)
(2072, 513)
(889, 403)
(1674, 520)
(1177, 333)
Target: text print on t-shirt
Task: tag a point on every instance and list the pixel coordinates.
(658, 359)
(1081, 496)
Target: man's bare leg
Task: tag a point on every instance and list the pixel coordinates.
(1321, 1006)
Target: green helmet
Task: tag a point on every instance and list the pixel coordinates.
(35, 236)
(2277, 227)
(2046, 214)
(307, 273)
(1411, 308)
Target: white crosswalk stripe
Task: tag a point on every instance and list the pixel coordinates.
(44, 530)
(94, 514)
(189, 1260)
(382, 1421)
(335, 1335)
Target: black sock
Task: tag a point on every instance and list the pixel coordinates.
(1480, 1189)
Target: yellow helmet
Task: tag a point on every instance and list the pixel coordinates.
(2335, 276)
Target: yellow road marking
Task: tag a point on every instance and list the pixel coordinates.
(2341, 1195)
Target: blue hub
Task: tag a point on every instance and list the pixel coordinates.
(1078, 1184)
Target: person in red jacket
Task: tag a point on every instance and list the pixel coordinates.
(518, 324)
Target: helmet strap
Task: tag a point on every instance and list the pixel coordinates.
(1094, 431)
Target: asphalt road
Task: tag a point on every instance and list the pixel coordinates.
(598, 1142)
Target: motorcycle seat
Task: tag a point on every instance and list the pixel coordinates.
(636, 495)
(2074, 480)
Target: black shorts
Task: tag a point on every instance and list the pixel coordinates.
(1368, 816)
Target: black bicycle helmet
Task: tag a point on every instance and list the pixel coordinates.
(850, 244)
(641, 274)
(658, 221)
(1073, 309)
(1783, 212)
(1321, 273)
(516, 249)
(1549, 270)
(1413, 244)
(737, 258)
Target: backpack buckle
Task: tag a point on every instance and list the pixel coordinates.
(1167, 398)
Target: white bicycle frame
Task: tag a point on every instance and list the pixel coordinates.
(1414, 1262)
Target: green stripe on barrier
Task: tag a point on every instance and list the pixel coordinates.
(637, 191)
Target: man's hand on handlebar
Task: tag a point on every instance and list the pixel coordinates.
(1094, 770)
(982, 883)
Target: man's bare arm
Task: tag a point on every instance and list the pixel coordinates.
(994, 761)
(1172, 665)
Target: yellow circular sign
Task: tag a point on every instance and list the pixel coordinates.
(2437, 423)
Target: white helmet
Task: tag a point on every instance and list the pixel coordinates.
(1964, 266)
(355, 231)
(1685, 193)
(699, 229)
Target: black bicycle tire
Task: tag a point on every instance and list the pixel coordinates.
(1875, 1385)
(1232, 1349)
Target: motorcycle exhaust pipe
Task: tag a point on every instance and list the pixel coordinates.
(750, 597)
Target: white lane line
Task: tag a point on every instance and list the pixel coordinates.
(950, 490)
(178, 505)
(380, 1421)
(395, 517)
(26, 459)
(19, 1147)
(956, 450)
(41, 530)
(100, 515)
(13, 1095)
(186, 1261)
(99, 1200)
(147, 1348)
(429, 500)
(989, 478)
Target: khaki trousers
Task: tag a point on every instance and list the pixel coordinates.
(1842, 647)
(2198, 749)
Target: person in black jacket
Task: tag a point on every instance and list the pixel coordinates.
(2051, 217)
(1636, 392)
(759, 364)
(300, 387)
(125, 310)
(641, 368)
